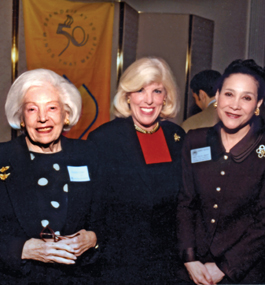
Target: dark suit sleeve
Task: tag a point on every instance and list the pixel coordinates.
(11, 250)
(237, 261)
(11, 239)
(187, 208)
(99, 209)
(96, 220)
(96, 216)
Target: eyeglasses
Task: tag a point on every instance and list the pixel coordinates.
(48, 233)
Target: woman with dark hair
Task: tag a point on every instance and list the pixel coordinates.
(140, 151)
(221, 209)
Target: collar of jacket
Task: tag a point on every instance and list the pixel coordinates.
(243, 148)
(21, 140)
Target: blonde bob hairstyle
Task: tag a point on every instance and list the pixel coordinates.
(68, 93)
(141, 73)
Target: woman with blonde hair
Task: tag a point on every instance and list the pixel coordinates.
(140, 151)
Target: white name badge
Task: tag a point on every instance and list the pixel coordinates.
(201, 154)
(78, 173)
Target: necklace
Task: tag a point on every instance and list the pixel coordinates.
(147, 132)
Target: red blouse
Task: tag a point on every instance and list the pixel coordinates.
(154, 147)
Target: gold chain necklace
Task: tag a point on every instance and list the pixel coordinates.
(147, 132)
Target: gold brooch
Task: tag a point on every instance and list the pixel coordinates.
(261, 151)
(177, 138)
(4, 175)
(4, 168)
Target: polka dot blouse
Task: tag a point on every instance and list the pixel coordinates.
(51, 185)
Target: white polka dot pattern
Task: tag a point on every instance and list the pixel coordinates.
(56, 166)
(44, 223)
(55, 204)
(65, 188)
(42, 181)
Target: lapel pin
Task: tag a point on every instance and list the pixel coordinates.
(176, 138)
(4, 176)
(4, 168)
(261, 151)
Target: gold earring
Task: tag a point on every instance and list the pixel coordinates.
(215, 104)
(67, 122)
(164, 102)
(128, 101)
(22, 124)
(257, 111)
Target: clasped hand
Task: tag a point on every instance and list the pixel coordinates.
(205, 274)
(64, 251)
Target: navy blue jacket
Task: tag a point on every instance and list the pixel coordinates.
(139, 205)
(20, 221)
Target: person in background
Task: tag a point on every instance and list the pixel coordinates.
(46, 185)
(141, 152)
(203, 91)
(221, 208)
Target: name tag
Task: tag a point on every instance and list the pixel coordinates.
(201, 154)
(78, 173)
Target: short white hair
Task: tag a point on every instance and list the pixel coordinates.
(68, 94)
(141, 73)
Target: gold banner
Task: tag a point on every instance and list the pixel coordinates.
(74, 39)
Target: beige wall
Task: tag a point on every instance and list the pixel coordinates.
(5, 70)
(230, 17)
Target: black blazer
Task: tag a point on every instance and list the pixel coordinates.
(139, 205)
(221, 209)
(19, 218)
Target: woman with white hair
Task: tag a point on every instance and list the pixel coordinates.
(140, 150)
(46, 185)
